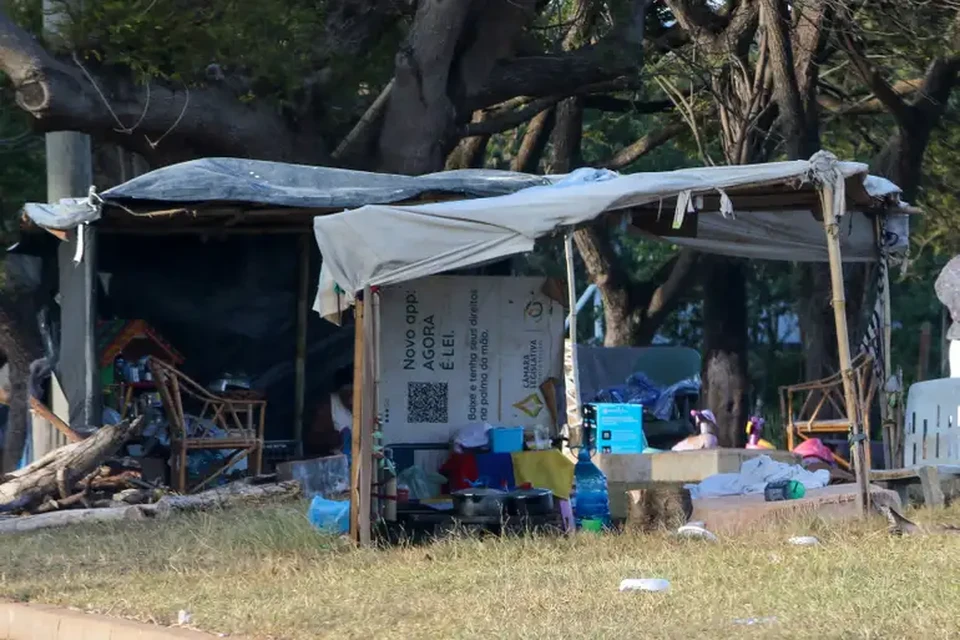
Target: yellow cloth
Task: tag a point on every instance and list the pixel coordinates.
(544, 470)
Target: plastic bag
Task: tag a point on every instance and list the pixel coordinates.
(422, 485)
(331, 516)
(471, 436)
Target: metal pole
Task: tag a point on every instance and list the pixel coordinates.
(573, 398)
(70, 174)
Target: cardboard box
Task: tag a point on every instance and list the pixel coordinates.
(618, 427)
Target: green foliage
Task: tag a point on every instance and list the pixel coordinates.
(23, 175)
(275, 48)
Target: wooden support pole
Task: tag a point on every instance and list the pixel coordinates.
(859, 442)
(361, 445)
(300, 381)
(367, 411)
(356, 457)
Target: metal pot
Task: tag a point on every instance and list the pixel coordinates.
(478, 502)
(530, 502)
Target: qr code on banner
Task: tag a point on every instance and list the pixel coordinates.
(427, 402)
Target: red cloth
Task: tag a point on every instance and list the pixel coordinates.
(460, 470)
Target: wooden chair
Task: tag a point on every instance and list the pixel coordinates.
(823, 409)
(240, 415)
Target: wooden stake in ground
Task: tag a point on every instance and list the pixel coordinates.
(63, 466)
(858, 449)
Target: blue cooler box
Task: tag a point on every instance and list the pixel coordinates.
(618, 427)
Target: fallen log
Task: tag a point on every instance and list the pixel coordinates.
(55, 471)
(233, 494)
(65, 518)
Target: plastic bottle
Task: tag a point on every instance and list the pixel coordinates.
(592, 500)
(783, 490)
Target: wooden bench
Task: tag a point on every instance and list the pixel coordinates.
(927, 476)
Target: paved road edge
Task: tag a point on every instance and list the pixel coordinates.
(42, 622)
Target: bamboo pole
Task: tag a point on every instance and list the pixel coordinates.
(300, 373)
(356, 457)
(885, 408)
(858, 451)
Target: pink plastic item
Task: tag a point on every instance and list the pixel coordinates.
(814, 448)
(566, 514)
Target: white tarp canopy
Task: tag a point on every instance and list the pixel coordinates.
(378, 245)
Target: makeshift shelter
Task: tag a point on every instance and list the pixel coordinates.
(216, 254)
(775, 211)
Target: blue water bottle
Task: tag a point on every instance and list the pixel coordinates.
(592, 508)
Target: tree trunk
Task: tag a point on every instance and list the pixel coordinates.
(62, 467)
(565, 155)
(20, 343)
(725, 346)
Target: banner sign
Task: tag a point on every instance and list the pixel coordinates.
(458, 350)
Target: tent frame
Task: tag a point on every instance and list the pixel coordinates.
(824, 204)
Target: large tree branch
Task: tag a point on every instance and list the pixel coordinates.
(901, 159)
(506, 119)
(809, 40)
(151, 119)
(534, 142)
(673, 280)
(616, 58)
(716, 33)
(786, 90)
(644, 145)
(847, 105)
(604, 266)
(622, 105)
(697, 19)
(897, 107)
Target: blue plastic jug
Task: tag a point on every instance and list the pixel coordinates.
(592, 499)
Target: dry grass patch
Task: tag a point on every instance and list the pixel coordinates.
(267, 574)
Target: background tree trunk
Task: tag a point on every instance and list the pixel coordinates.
(726, 344)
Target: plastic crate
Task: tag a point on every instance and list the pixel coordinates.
(506, 439)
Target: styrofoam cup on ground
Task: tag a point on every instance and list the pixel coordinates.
(697, 533)
(645, 584)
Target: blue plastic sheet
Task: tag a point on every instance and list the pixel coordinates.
(273, 183)
(639, 389)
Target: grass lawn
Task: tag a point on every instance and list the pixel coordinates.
(267, 574)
